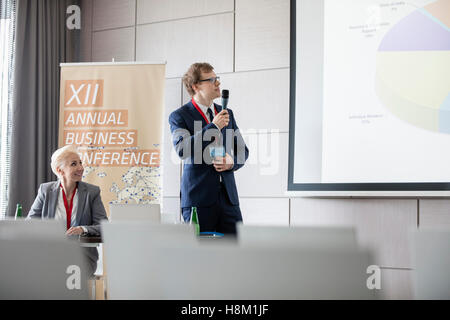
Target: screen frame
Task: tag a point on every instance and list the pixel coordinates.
(343, 189)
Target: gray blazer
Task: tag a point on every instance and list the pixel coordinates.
(90, 210)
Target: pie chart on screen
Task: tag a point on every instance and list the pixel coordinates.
(413, 68)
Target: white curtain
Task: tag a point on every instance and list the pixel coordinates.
(7, 28)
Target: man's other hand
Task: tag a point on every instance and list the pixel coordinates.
(223, 163)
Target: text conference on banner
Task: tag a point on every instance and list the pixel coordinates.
(89, 93)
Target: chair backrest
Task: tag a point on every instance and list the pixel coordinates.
(135, 212)
(42, 268)
(151, 261)
(431, 263)
(32, 229)
(296, 237)
(235, 273)
(129, 251)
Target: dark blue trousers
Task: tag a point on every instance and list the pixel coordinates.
(220, 217)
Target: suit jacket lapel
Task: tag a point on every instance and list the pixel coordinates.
(223, 131)
(218, 108)
(197, 115)
(53, 199)
(82, 193)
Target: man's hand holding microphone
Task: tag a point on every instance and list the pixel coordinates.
(221, 120)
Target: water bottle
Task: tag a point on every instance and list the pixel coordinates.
(194, 220)
(18, 211)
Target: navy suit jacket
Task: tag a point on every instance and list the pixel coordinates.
(200, 181)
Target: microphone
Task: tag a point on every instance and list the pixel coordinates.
(225, 95)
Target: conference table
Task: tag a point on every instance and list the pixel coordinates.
(90, 242)
(93, 242)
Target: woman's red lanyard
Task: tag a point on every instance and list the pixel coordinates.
(68, 208)
(200, 110)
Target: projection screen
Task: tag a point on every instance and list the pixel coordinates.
(370, 97)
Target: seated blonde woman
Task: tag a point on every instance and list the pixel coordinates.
(69, 199)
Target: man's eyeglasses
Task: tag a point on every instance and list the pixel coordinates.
(212, 80)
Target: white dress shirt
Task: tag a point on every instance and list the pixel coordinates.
(205, 110)
(61, 214)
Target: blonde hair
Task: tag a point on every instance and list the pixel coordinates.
(192, 76)
(60, 155)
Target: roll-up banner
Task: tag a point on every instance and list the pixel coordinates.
(113, 113)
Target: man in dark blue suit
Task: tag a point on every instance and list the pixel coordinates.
(200, 128)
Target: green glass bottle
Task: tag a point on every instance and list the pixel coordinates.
(18, 211)
(194, 220)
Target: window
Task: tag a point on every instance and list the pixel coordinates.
(7, 26)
